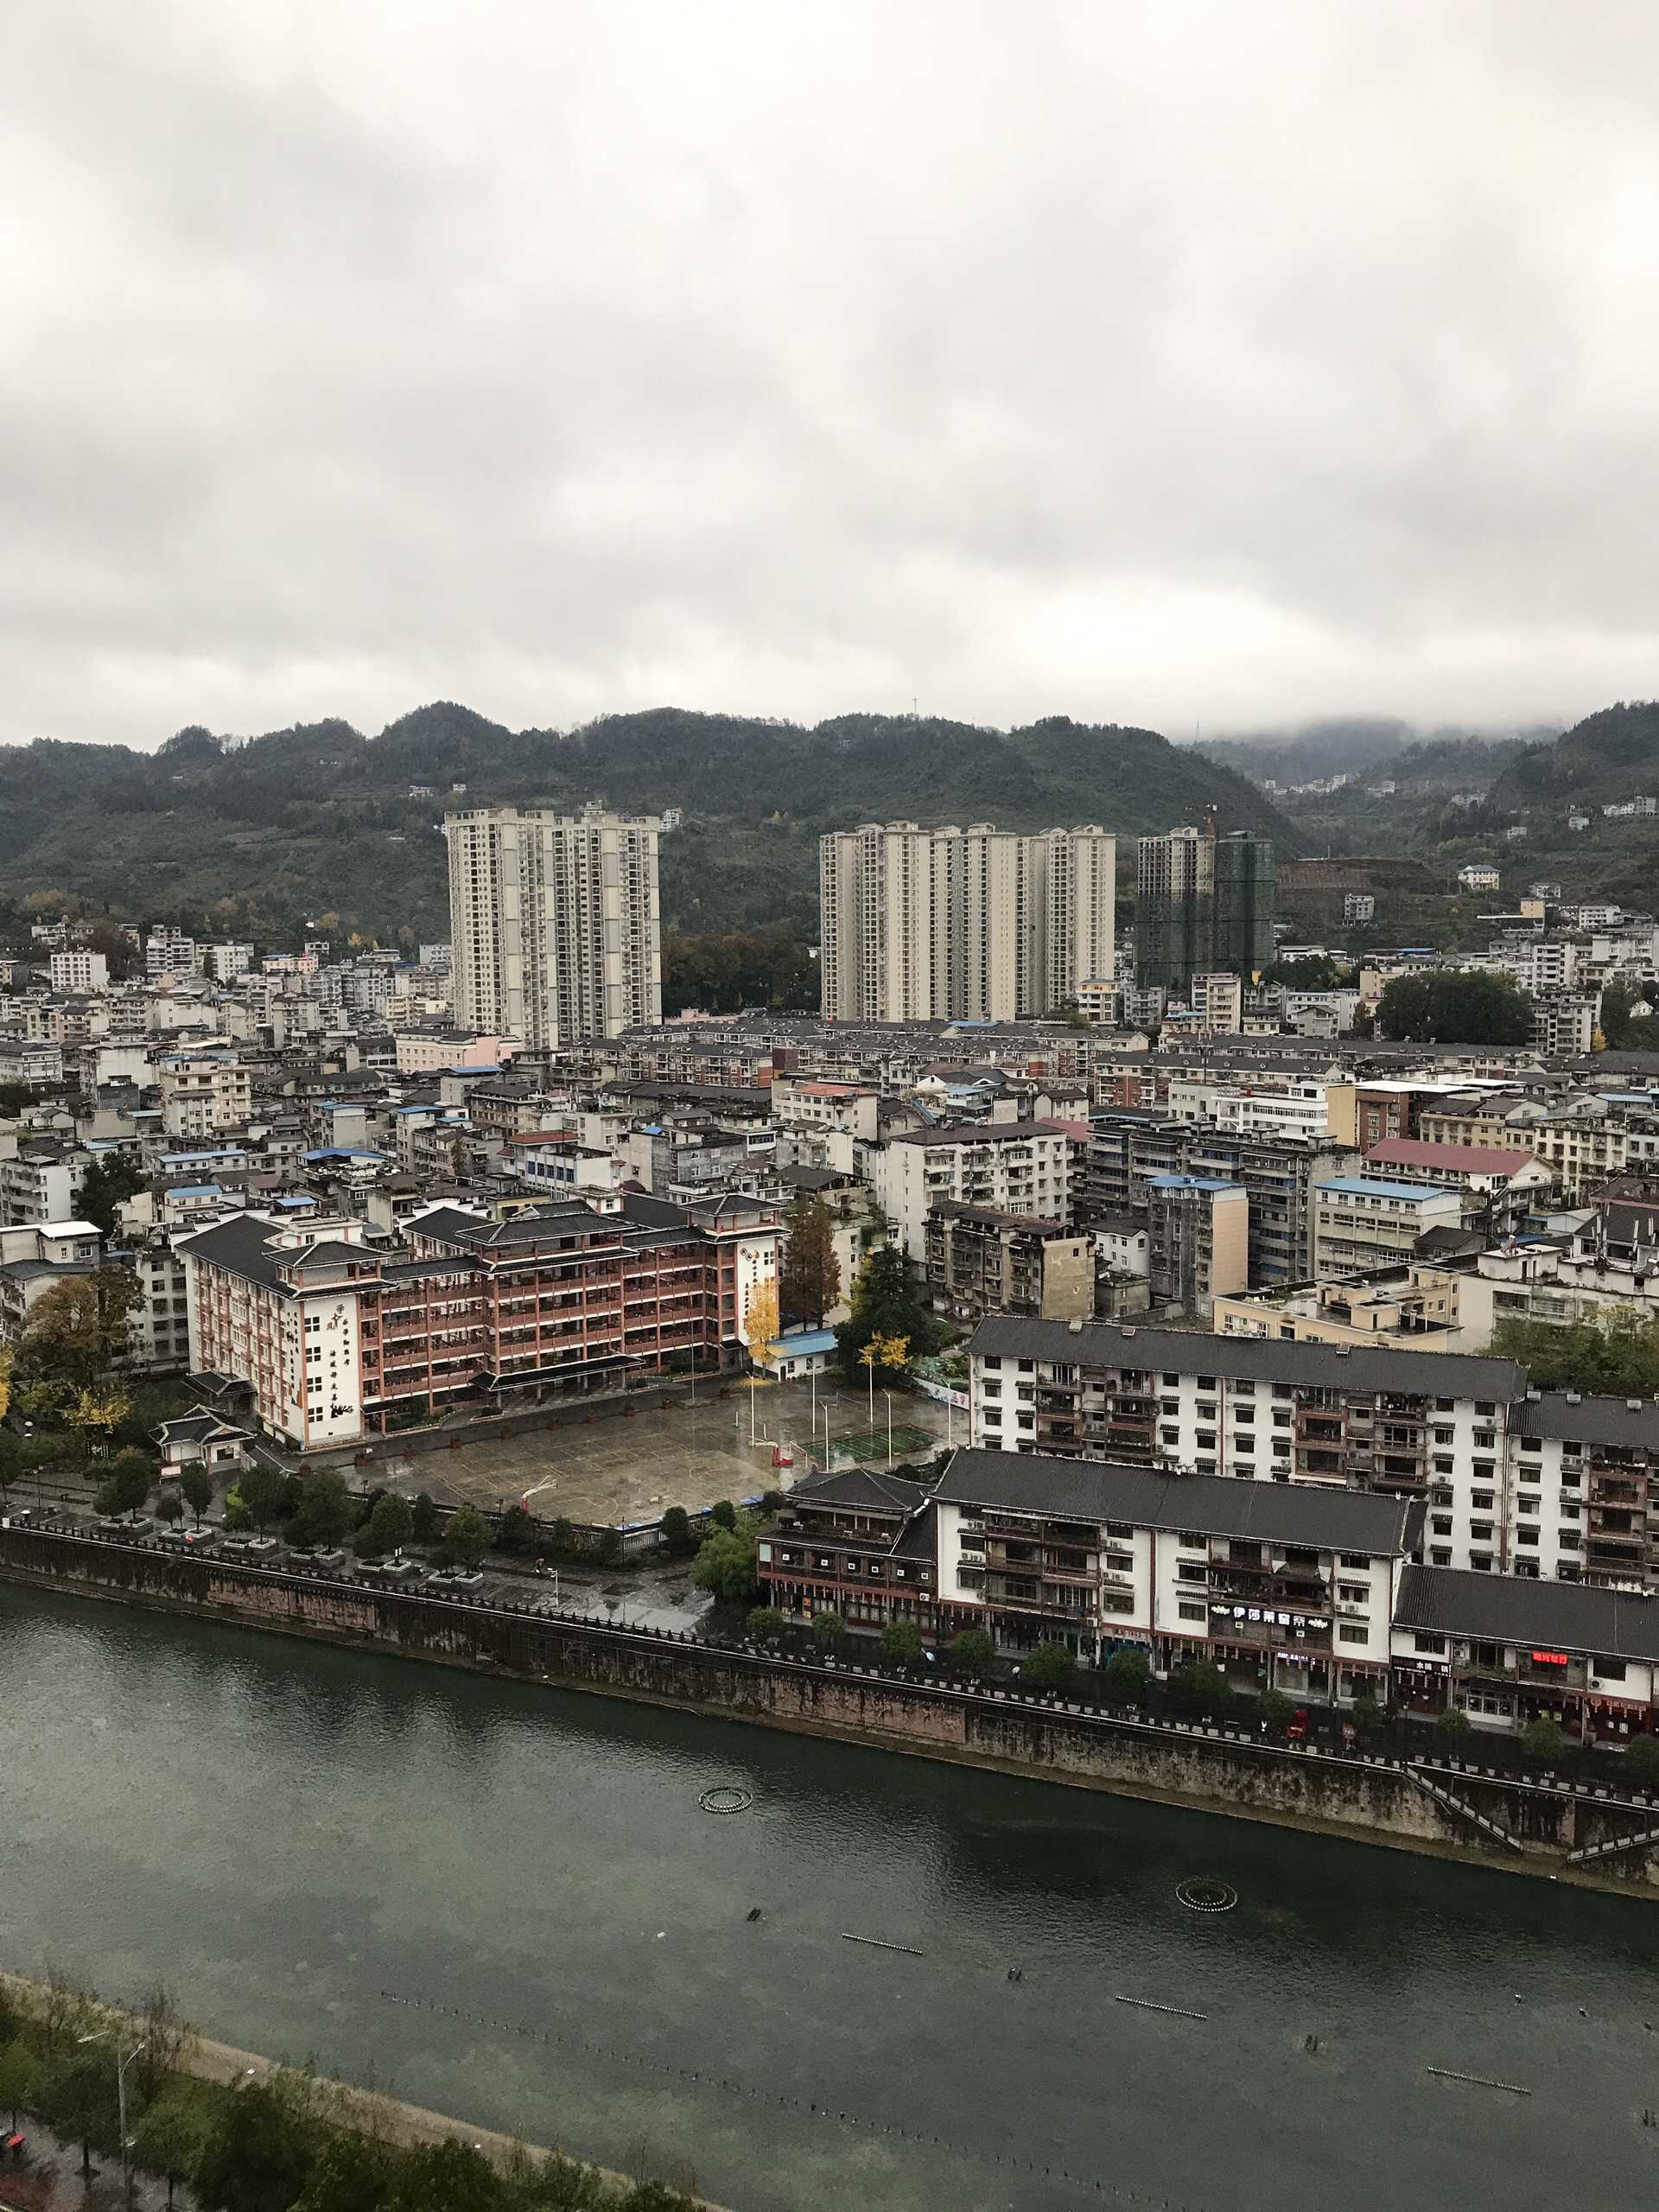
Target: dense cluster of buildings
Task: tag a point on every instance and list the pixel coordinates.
(1224, 1273)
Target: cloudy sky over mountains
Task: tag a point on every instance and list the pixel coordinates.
(1203, 363)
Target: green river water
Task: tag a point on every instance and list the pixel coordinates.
(506, 1903)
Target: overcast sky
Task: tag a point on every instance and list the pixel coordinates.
(1231, 364)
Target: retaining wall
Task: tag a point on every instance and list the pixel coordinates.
(1425, 1805)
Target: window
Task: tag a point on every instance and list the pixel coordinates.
(1354, 1593)
(1351, 1632)
(1430, 1643)
(1119, 1531)
(1190, 1612)
(1526, 1535)
(1611, 1670)
(1356, 1559)
(1171, 1381)
(1120, 1601)
(1442, 1524)
(1191, 1570)
(1190, 1540)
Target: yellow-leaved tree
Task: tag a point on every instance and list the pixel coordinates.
(760, 1321)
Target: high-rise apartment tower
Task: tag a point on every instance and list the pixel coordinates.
(555, 924)
(1202, 905)
(978, 924)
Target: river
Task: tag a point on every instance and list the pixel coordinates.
(507, 1903)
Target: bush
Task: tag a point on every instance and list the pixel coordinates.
(1452, 1727)
(1641, 1766)
(1544, 1741)
(724, 1515)
(1367, 1716)
(765, 1620)
(973, 1650)
(901, 1640)
(828, 1627)
(1126, 1677)
(675, 1528)
(1274, 1708)
(256, 2158)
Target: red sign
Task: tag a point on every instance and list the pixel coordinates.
(1549, 1658)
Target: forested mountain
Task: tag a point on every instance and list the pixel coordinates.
(260, 837)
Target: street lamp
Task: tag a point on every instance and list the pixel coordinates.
(887, 1394)
(122, 2062)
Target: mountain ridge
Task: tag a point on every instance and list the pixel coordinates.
(263, 835)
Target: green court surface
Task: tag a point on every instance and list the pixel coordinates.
(854, 1450)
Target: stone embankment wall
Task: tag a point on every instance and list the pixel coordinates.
(1429, 1805)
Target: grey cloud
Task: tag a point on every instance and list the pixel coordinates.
(1161, 364)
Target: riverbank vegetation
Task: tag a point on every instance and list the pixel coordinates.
(288, 2142)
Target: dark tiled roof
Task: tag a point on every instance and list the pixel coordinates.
(859, 1490)
(1513, 1609)
(1087, 1490)
(1448, 1374)
(1592, 1420)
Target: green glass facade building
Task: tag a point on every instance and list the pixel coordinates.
(1202, 905)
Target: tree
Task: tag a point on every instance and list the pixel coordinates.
(1199, 1687)
(75, 2095)
(1544, 1741)
(675, 1528)
(809, 1276)
(1456, 1005)
(884, 1307)
(325, 1511)
(389, 1527)
(264, 1492)
(765, 1620)
(1273, 1709)
(448, 2177)
(901, 1640)
(828, 1627)
(1317, 972)
(1126, 1676)
(1641, 1761)
(760, 1322)
(127, 1485)
(972, 1649)
(256, 2157)
(169, 1507)
(723, 1514)
(1050, 1667)
(1615, 1355)
(467, 1537)
(520, 1532)
(725, 1565)
(110, 1179)
(608, 1548)
(426, 1527)
(1452, 1727)
(77, 1330)
(198, 1487)
(100, 1410)
(353, 2174)
(1368, 1718)
(169, 2137)
(17, 2078)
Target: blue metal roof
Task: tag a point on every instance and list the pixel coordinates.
(1362, 1187)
